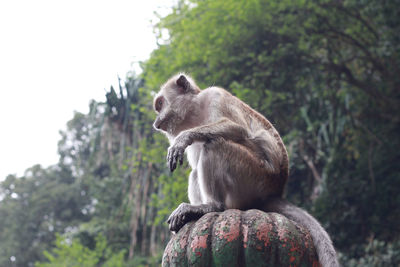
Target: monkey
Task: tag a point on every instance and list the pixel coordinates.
(237, 157)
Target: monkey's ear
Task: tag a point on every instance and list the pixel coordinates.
(183, 83)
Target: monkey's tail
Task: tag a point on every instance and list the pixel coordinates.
(322, 242)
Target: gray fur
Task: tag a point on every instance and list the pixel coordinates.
(321, 240)
(237, 157)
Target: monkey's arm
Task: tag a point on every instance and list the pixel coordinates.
(224, 128)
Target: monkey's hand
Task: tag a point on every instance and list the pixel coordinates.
(183, 214)
(177, 149)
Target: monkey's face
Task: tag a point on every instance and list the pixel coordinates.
(173, 103)
(160, 106)
(168, 118)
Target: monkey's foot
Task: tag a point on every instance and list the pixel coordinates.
(183, 214)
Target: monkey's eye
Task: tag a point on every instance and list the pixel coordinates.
(159, 103)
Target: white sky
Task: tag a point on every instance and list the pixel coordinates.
(54, 57)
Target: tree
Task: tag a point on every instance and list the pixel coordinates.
(76, 254)
(325, 72)
(34, 207)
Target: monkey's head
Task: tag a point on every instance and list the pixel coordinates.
(173, 104)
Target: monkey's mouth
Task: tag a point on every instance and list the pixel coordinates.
(160, 125)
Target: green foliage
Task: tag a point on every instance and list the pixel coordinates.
(174, 191)
(375, 253)
(145, 261)
(76, 254)
(34, 207)
(326, 73)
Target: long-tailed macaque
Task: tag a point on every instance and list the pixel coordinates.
(237, 157)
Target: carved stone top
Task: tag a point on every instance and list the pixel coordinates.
(241, 238)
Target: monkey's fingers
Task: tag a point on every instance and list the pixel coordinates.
(171, 216)
(171, 166)
(180, 156)
(171, 223)
(172, 226)
(177, 157)
(169, 158)
(175, 221)
(172, 162)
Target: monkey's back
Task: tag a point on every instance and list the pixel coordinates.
(242, 114)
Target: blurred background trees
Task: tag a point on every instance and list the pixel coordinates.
(324, 72)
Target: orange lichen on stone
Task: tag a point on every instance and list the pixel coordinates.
(228, 228)
(199, 242)
(263, 232)
(245, 232)
(282, 233)
(229, 232)
(183, 243)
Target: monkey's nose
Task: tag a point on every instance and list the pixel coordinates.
(157, 124)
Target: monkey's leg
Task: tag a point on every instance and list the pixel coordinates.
(229, 175)
(261, 143)
(188, 212)
(233, 176)
(194, 189)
